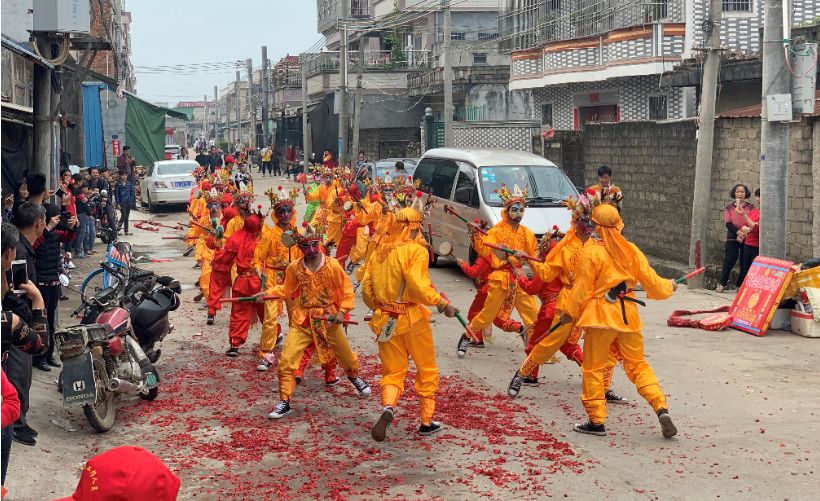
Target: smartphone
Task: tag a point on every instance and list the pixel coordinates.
(19, 275)
(60, 193)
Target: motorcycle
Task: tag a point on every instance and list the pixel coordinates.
(104, 357)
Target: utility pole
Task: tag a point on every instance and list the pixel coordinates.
(774, 136)
(216, 126)
(265, 98)
(305, 145)
(357, 105)
(344, 121)
(706, 133)
(42, 120)
(251, 104)
(205, 118)
(448, 78)
(238, 115)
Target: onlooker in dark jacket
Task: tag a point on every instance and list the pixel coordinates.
(49, 264)
(29, 308)
(734, 219)
(88, 230)
(124, 196)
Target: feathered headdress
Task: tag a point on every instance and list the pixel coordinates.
(511, 197)
(291, 237)
(405, 188)
(244, 200)
(279, 197)
(199, 174)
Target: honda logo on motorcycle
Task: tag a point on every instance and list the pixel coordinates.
(79, 385)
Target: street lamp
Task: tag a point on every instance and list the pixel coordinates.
(428, 127)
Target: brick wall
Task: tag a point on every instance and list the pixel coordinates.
(104, 61)
(654, 164)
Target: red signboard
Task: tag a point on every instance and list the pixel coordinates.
(115, 147)
(758, 297)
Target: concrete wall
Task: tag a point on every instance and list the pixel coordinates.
(654, 165)
(513, 135)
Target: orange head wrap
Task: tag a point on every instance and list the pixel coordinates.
(609, 225)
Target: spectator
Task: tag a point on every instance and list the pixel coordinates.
(16, 245)
(749, 234)
(605, 184)
(400, 168)
(11, 202)
(59, 229)
(267, 153)
(126, 473)
(106, 206)
(276, 160)
(204, 160)
(128, 164)
(734, 217)
(123, 195)
(84, 243)
(362, 159)
(37, 191)
(328, 160)
(216, 157)
(183, 153)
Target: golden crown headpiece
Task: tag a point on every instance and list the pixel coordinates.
(511, 197)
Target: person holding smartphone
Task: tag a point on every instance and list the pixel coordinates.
(27, 334)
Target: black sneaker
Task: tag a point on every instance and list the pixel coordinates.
(22, 436)
(475, 344)
(281, 410)
(667, 426)
(232, 351)
(515, 385)
(613, 398)
(379, 431)
(42, 365)
(199, 297)
(362, 387)
(31, 431)
(298, 379)
(590, 428)
(461, 349)
(210, 320)
(52, 362)
(429, 429)
(529, 381)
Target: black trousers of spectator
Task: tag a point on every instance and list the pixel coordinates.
(731, 254)
(7, 436)
(112, 219)
(277, 169)
(747, 256)
(125, 210)
(266, 167)
(51, 298)
(18, 372)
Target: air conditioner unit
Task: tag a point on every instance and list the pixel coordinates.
(62, 16)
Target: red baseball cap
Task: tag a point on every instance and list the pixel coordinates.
(126, 473)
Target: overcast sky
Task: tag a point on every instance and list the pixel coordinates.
(199, 32)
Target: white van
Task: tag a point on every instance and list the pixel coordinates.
(466, 180)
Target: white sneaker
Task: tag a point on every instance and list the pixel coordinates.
(362, 387)
(264, 365)
(71, 265)
(281, 410)
(368, 316)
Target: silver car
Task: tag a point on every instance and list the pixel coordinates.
(167, 182)
(466, 181)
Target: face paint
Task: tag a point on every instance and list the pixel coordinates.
(310, 250)
(585, 225)
(516, 212)
(284, 214)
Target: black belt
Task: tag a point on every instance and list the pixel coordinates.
(619, 293)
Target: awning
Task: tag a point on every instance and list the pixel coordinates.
(22, 50)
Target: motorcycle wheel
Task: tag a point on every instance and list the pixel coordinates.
(151, 394)
(101, 415)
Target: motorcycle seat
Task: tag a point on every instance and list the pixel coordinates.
(148, 313)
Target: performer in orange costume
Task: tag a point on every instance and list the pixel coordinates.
(548, 294)
(610, 268)
(330, 209)
(208, 253)
(397, 288)
(562, 264)
(503, 293)
(320, 298)
(271, 259)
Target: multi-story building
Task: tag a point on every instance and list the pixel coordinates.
(228, 128)
(603, 60)
(111, 23)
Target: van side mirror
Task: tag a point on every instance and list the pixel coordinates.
(463, 195)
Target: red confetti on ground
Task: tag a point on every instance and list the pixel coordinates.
(212, 430)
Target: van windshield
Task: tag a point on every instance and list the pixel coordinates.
(547, 185)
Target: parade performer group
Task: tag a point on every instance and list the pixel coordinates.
(268, 266)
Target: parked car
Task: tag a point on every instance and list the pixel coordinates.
(381, 167)
(173, 152)
(167, 182)
(467, 179)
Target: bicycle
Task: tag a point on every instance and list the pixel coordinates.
(117, 254)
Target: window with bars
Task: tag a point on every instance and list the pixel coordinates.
(658, 109)
(487, 36)
(458, 36)
(737, 5)
(480, 58)
(546, 114)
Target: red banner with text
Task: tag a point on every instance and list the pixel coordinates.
(758, 297)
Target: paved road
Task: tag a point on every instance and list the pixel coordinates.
(747, 410)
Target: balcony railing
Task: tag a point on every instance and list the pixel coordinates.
(385, 60)
(432, 82)
(555, 20)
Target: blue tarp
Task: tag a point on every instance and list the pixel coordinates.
(92, 123)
